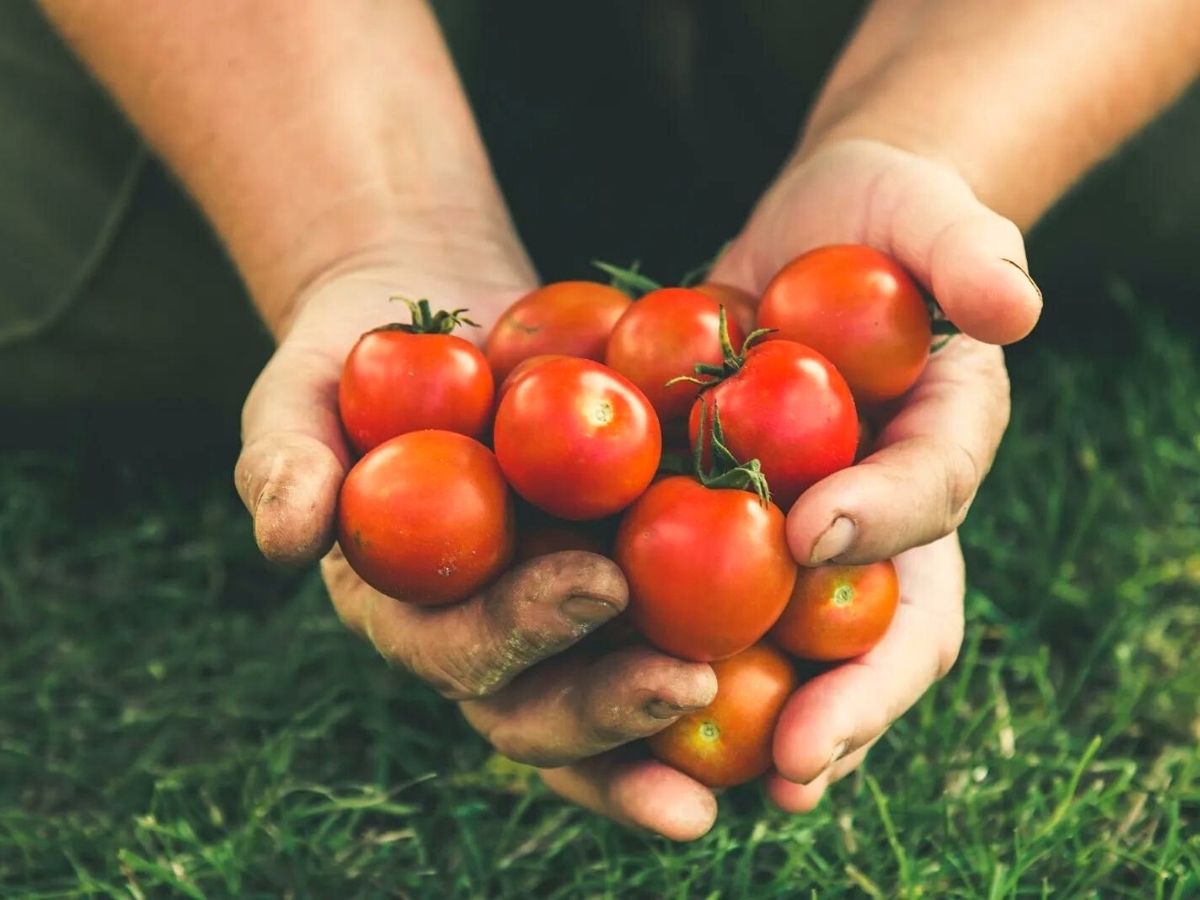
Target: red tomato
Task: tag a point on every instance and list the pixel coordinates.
(741, 306)
(572, 318)
(395, 381)
(576, 439)
(788, 408)
(859, 309)
(662, 336)
(838, 612)
(729, 742)
(521, 368)
(426, 518)
(708, 569)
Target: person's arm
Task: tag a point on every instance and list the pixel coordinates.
(1022, 98)
(330, 144)
(946, 127)
(310, 133)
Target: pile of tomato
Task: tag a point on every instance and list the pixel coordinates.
(670, 433)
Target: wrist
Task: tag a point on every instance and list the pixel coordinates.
(423, 248)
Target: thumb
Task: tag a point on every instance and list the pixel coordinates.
(293, 455)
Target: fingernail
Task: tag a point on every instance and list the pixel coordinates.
(834, 542)
(1028, 277)
(661, 709)
(588, 611)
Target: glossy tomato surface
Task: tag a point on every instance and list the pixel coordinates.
(729, 742)
(838, 612)
(662, 336)
(519, 370)
(858, 308)
(709, 570)
(741, 306)
(576, 439)
(426, 517)
(788, 408)
(572, 318)
(394, 382)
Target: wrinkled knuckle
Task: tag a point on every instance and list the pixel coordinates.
(455, 676)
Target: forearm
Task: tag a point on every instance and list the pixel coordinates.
(1021, 98)
(310, 133)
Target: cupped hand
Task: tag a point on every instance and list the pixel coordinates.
(493, 652)
(938, 441)
(907, 498)
(831, 722)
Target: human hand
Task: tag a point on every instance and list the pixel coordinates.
(932, 453)
(292, 464)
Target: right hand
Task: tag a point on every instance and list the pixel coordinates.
(482, 651)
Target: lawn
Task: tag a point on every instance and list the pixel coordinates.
(177, 718)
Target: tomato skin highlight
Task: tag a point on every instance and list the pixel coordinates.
(521, 368)
(572, 318)
(709, 570)
(838, 612)
(426, 518)
(729, 742)
(394, 382)
(577, 440)
(860, 309)
(788, 408)
(741, 306)
(662, 336)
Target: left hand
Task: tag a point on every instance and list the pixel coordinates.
(908, 497)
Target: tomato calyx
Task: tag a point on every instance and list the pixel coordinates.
(943, 329)
(426, 321)
(732, 360)
(726, 471)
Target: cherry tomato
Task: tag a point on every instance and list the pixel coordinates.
(787, 407)
(399, 379)
(838, 612)
(572, 318)
(662, 336)
(708, 569)
(859, 309)
(426, 517)
(741, 306)
(576, 439)
(729, 742)
(521, 368)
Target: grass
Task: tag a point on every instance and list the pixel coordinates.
(179, 719)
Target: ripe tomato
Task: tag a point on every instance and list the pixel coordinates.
(787, 407)
(729, 741)
(708, 569)
(741, 306)
(403, 378)
(662, 336)
(576, 439)
(573, 318)
(426, 517)
(837, 612)
(521, 368)
(859, 309)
